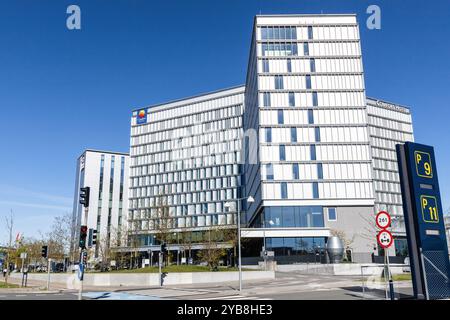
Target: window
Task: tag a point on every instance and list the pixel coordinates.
(295, 172)
(310, 116)
(293, 134)
(282, 152)
(332, 214)
(312, 64)
(268, 134)
(266, 98)
(265, 63)
(308, 82)
(319, 171)
(279, 49)
(280, 117)
(315, 99)
(279, 82)
(281, 33)
(291, 99)
(269, 171)
(317, 134)
(289, 65)
(313, 152)
(306, 49)
(315, 186)
(284, 194)
(310, 32)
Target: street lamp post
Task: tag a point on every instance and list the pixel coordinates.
(228, 205)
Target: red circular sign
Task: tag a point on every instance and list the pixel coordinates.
(383, 220)
(385, 238)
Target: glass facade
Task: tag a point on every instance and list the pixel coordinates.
(186, 158)
(294, 217)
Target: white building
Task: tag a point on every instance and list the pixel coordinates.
(305, 95)
(319, 159)
(185, 156)
(389, 124)
(107, 175)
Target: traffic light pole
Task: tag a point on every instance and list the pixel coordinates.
(81, 265)
(48, 274)
(160, 268)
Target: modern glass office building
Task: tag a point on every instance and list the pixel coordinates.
(300, 137)
(107, 175)
(185, 164)
(305, 96)
(389, 124)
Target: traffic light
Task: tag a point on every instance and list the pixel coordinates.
(84, 257)
(83, 236)
(84, 196)
(163, 247)
(92, 237)
(44, 252)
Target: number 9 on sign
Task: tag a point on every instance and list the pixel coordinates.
(385, 239)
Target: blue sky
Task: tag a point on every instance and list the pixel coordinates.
(63, 91)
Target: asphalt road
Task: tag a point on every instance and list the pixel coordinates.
(286, 286)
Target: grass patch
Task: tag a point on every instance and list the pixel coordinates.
(401, 277)
(3, 285)
(179, 268)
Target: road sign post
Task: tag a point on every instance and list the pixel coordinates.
(385, 240)
(424, 221)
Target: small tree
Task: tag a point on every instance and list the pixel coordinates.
(213, 251)
(9, 222)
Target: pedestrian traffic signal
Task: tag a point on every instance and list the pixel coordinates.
(83, 236)
(44, 251)
(84, 196)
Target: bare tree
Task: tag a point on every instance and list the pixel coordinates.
(9, 222)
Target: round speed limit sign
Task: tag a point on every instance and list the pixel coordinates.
(383, 220)
(385, 238)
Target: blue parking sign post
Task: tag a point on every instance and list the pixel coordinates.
(424, 221)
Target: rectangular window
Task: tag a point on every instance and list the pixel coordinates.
(265, 63)
(315, 99)
(291, 99)
(280, 117)
(310, 32)
(317, 134)
(332, 216)
(306, 49)
(308, 82)
(263, 33)
(279, 82)
(293, 134)
(284, 194)
(266, 98)
(312, 64)
(282, 152)
(313, 152)
(310, 116)
(315, 186)
(319, 171)
(268, 134)
(289, 65)
(295, 172)
(269, 171)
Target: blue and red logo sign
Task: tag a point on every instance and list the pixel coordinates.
(141, 116)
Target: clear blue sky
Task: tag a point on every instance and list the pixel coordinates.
(63, 91)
